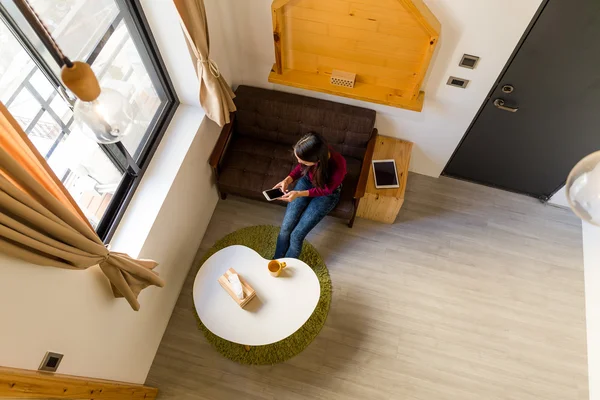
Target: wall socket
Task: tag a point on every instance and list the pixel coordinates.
(458, 82)
(50, 362)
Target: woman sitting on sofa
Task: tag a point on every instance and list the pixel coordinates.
(320, 172)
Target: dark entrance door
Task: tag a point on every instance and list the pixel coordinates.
(544, 114)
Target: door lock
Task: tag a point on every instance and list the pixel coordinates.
(508, 89)
(499, 104)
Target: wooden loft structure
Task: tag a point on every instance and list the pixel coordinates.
(388, 44)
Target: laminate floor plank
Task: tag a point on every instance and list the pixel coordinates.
(474, 293)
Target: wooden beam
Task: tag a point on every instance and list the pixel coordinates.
(424, 66)
(424, 16)
(25, 384)
(279, 4)
(278, 32)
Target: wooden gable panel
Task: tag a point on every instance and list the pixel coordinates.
(392, 44)
(330, 18)
(304, 25)
(387, 4)
(334, 6)
(374, 11)
(345, 49)
(381, 41)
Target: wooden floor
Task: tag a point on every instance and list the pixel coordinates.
(474, 293)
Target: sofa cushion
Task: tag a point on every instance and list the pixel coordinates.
(252, 166)
(285, 117)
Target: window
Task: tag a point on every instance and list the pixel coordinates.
(113, 37)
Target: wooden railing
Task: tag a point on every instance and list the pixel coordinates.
(25, 384)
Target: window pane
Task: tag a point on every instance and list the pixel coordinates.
(119, 67)
(62, 109)
(41, 84)
(15, 64)
(77, 25)
(87, 173)
(44, 133)
(24, 108)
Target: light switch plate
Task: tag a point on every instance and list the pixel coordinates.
(50, 362)
(468, 61)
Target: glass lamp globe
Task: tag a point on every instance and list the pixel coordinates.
(583, 189)
(108, 118)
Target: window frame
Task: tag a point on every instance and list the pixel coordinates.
(131, 13)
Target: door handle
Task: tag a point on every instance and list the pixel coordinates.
(499, 104)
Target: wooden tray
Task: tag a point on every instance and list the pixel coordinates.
(249, 292)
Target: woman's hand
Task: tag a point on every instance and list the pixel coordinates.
(283, 185)
(293, 195)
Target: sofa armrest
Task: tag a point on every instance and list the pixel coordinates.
(221, 145)
(366, 167)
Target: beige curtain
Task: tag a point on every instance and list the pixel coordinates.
(216, 97)
(41, 224)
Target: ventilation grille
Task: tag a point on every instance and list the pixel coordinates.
(344, 79)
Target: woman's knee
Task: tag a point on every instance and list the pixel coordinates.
(298, 235)
(286, 230)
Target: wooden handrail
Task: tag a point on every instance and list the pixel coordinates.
(26, 384)
(361, 187)
(222, 141)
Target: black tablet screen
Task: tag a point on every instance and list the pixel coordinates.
(385, 174)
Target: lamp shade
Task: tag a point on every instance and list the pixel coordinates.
(100, 113)
(583, 189)
(106, 119)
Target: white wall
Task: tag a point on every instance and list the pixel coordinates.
(560, 198)
(487, 28)
(73, 312)
(591, 260)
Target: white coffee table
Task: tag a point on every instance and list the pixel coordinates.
(281, 306)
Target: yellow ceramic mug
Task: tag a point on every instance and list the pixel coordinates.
(275, 267)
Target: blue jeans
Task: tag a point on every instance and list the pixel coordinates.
(301, 216)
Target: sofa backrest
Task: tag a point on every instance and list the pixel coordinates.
(285, 117)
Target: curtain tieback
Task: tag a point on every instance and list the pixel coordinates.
(212, 67)
(107, 255)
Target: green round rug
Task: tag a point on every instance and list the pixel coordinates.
(262, 239)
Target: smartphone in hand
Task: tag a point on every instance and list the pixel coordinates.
(273, 194)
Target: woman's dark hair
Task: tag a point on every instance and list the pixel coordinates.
(314, 148)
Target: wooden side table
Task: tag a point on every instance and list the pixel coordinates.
(384, 204)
